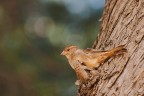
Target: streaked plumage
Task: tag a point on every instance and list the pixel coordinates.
(81, 59)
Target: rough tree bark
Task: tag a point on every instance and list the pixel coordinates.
(122, 24)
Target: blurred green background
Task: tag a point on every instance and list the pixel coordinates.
(33, 33)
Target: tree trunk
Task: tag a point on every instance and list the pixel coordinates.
(122, 75)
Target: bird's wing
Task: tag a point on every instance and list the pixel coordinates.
(92, 51)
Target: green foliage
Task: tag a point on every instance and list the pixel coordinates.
(32, 36)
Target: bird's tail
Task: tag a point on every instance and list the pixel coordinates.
(118, 50)
(115, 51)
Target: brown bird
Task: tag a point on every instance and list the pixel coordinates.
(82, 59)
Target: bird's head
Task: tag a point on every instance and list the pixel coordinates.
(69, 50)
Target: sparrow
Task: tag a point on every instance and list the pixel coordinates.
(82, 60)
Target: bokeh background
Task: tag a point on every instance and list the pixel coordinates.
(33, 33)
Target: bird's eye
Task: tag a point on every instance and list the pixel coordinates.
(68, 49)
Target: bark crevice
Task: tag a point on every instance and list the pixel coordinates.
(122, 24)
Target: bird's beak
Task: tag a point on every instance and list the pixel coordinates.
(62, 53)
